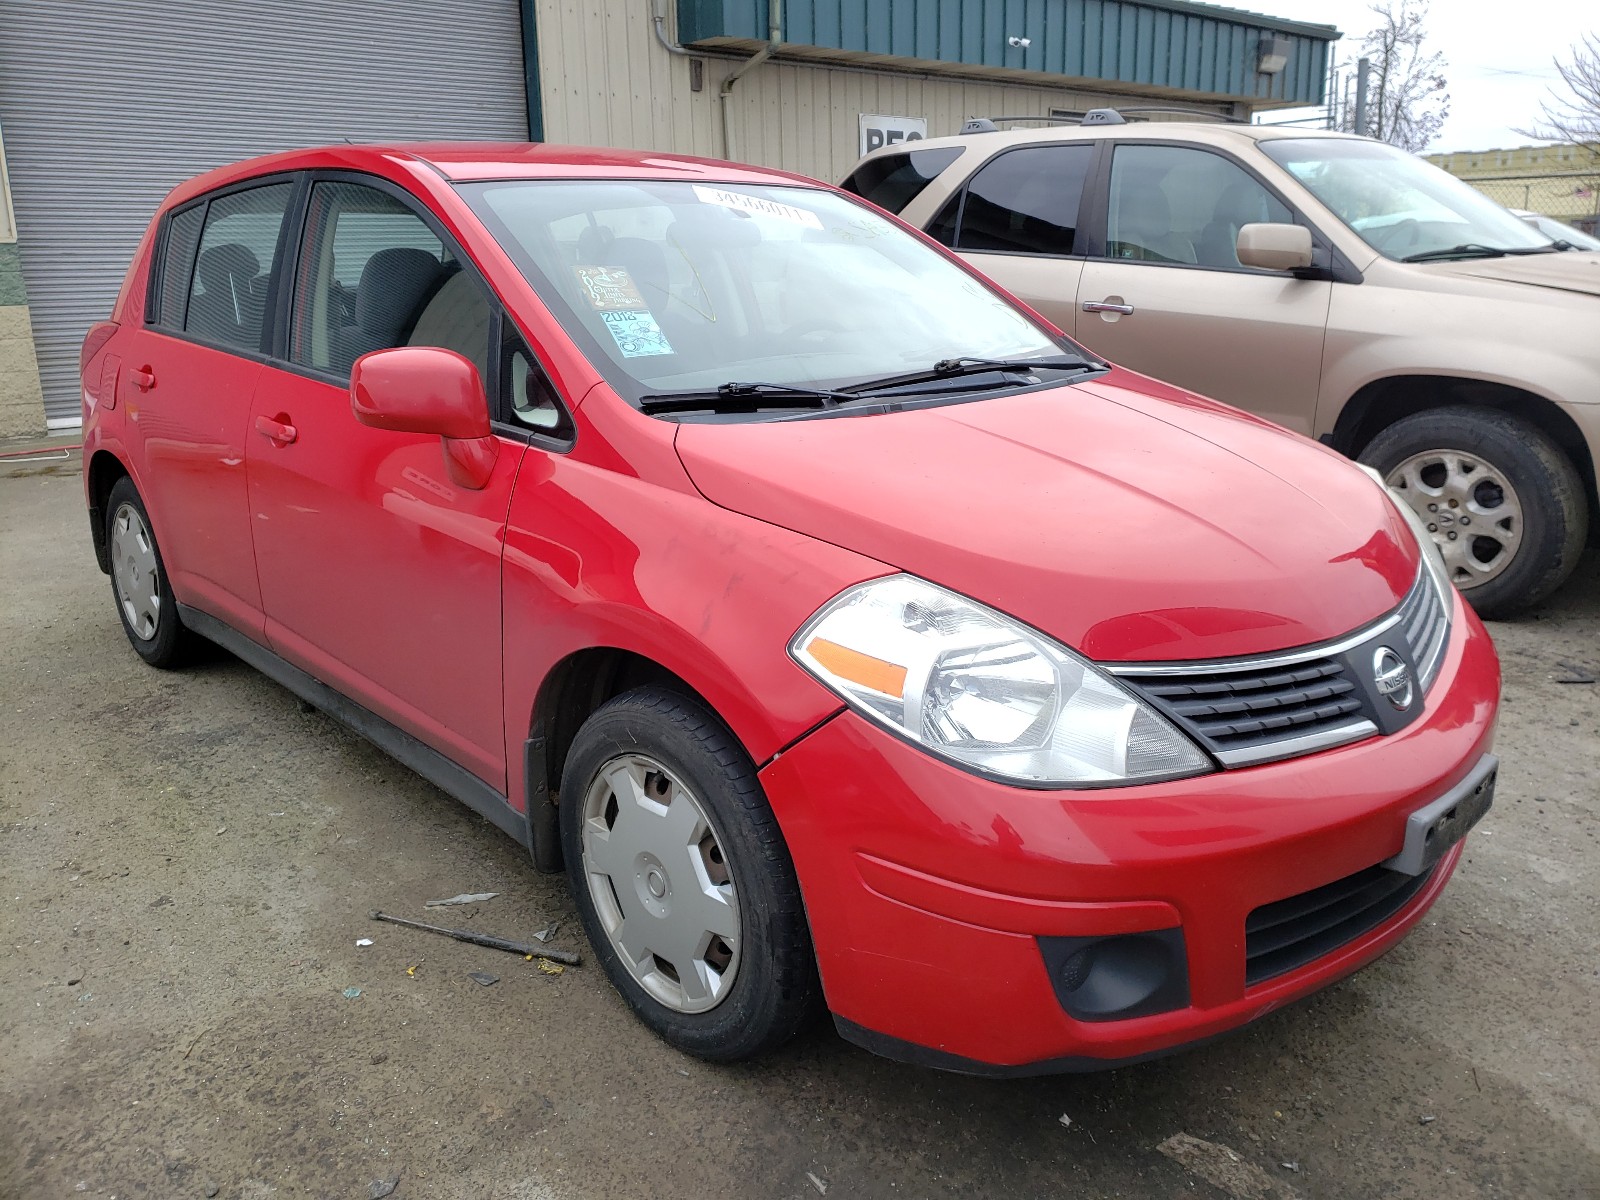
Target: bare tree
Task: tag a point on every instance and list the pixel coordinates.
(1574, 118)
(1408, 97)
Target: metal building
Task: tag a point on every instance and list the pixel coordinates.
(105, 104)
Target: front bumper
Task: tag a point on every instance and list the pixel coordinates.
(928, 889)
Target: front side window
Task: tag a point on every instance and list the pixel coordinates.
(1172, 204)
(1400, 205)
(1021, 202)
(227, 301)
(676, 286)
(375, 276)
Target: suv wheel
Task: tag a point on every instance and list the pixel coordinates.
(1504, 505)
(683, 880)
(144, 598)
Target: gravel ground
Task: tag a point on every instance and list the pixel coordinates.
(189, 860)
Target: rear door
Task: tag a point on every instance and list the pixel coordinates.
(1016, 220)
(1165, 294)
(380, 572)
(186, 384)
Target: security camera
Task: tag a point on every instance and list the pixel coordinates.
(1019, 43)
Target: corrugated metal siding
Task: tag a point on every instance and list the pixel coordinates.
(607, 82)
(1151, 42)
(109, 103)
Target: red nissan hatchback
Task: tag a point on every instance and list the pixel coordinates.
(849, 634)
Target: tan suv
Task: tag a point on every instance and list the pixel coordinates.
(1334, 284)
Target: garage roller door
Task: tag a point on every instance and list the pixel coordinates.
(106, 105)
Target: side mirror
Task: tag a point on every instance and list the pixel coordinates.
(423, 389)
(1274, 247)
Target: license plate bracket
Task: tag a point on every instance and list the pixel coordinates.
(1432, 829)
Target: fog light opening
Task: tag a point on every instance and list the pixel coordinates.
(1119, 976)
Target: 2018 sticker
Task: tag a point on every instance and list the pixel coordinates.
(757, 207)
(636, 333)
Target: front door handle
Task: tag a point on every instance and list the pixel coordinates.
(143, 378)
(276, 430)
(1104, 306)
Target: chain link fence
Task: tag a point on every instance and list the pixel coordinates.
(1572, 196)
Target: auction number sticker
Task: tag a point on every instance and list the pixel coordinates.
(757, 207)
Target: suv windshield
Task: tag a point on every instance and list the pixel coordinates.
(681, 287)
(1401, 206)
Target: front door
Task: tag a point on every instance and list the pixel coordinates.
(1170, 299)
(380, 572)
(186, 387)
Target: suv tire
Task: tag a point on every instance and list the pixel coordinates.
(1461, 465)
(683, 879)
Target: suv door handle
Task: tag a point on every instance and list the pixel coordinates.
(1106, 306)
(143, 378)
(276, 429)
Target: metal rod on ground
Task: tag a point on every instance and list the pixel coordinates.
(484, 939)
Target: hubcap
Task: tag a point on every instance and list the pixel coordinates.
(1470, 508)
(133, 567)
(660, 883)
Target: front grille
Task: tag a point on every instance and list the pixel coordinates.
(1289, 933)
(1250, 709)
(1272, 706)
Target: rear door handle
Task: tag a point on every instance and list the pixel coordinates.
(143, 378)
(276, 429)
(1107, 306)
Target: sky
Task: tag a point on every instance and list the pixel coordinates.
(1497, 56)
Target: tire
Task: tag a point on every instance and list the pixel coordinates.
(659, 883)
(139, 586)
(1449, 461)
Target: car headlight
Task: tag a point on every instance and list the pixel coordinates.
(985, 691)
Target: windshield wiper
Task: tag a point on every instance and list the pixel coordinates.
(1478, 250)
(956, 368)
(744, 397)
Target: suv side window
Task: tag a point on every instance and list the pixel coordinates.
(895, 180)
(1173, 204)
(1020, 202)
(373, 275)
(227, 295)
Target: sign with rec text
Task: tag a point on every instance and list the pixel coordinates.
(880, 131)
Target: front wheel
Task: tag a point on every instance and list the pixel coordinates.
(683, 880)
(1503, 503)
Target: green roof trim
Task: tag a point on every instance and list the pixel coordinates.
(1179, 47)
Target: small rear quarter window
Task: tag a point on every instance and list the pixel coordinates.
(176, 266)
(893, 181)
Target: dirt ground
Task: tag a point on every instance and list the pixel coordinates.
(189, 860)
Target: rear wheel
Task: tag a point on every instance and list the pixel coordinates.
(139, 582)
(683, 880)
(1503, 503)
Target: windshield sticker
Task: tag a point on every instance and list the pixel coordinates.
(609, 288)
(636, 333)
(757, 207)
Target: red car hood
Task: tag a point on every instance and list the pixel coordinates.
(1131, 524)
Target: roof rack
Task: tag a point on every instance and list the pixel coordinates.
(1096, 116)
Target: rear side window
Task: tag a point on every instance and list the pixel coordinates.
(373, 275)
(177, 266)
(895, 180)
(1020, 202)
(227, 301)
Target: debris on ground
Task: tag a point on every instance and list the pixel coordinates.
(481, 939)
(550, 968)
(1066, 1121)
(548, 932)
(379, 1188)
(363, 941)
(411, 971)
(464, 898)
(1428, 1120)
(483, 978)
(1224, 1168)
(1290, 1166)
(822, 1188)
(350, 993)
(211, 1189)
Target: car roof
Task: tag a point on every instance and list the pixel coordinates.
(1216, 133)
(465, 162)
